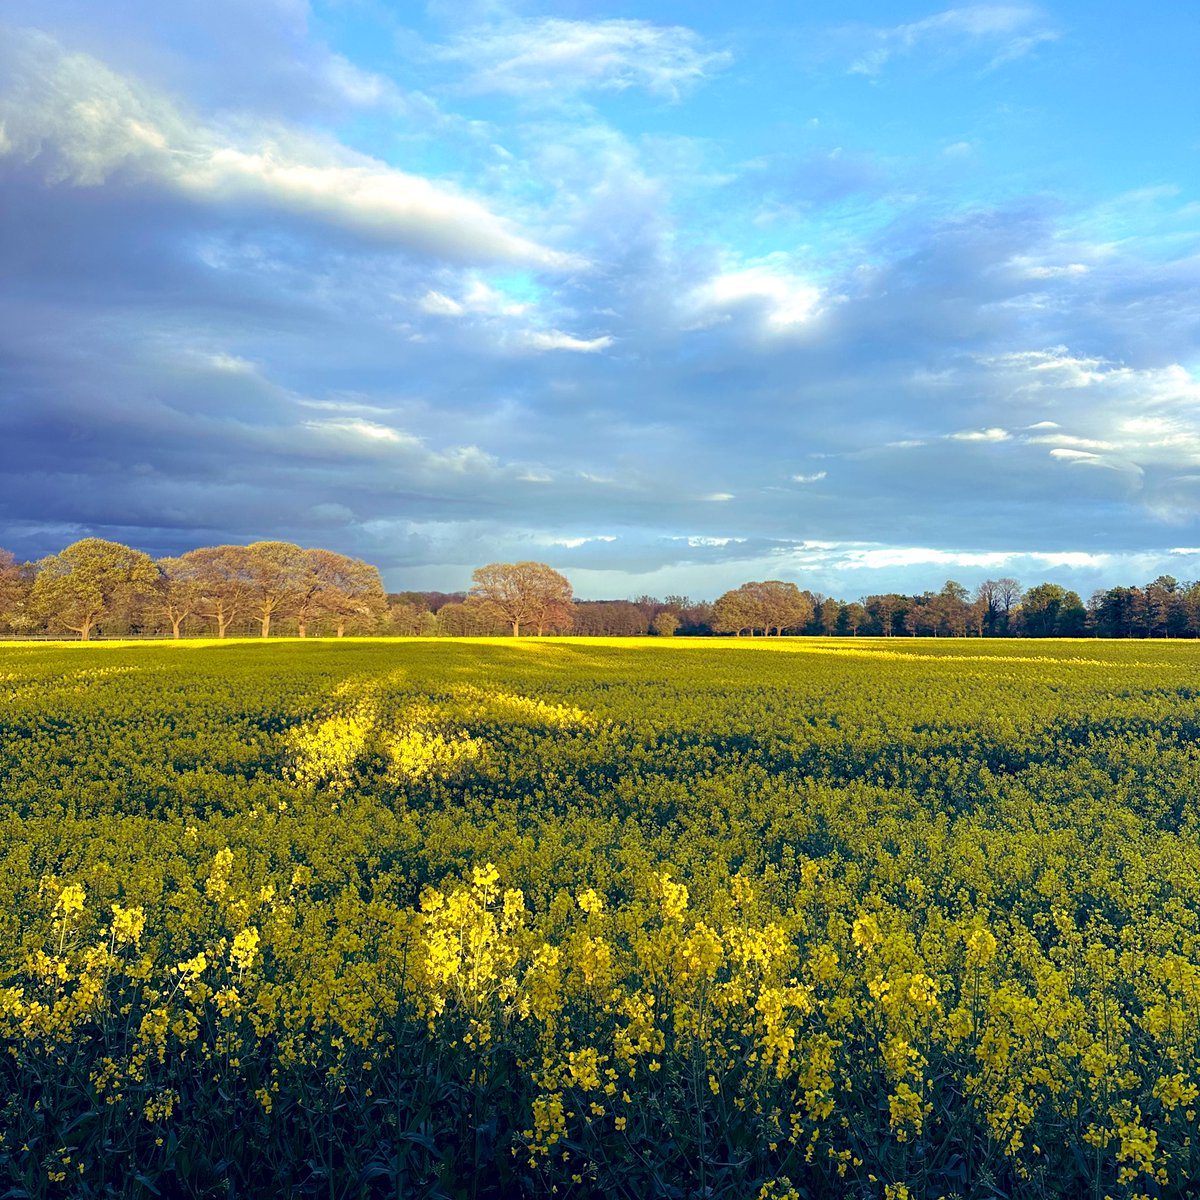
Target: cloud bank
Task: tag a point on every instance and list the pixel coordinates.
(473, 285)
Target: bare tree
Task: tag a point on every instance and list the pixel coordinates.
(275, 574)
(989, 595)
(175, 594)
(340, 588)
(222, 580)
(524, 593)
(407, 618)
(1008, 594)
(977, 614)
(15, 584)
(999, 597)
(470, 618)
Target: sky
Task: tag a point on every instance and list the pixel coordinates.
(670, 296)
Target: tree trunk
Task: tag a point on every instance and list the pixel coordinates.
(341, 627)
(176, 622)
(301, 629)
(266, 624)
(85, 632)
(516, 628)
(222, 622)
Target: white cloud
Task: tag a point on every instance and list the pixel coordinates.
(231, 364)
(440, 305)
(573, 543)
(1055, 367)
(1146, 425)
(718, 497)
(1054, 272)
(1063, 439)
(910, 556)
(994, 434)
(362, 439)
(815, 477)
(398, 453)
(1133, 417)
(356, 86)
(1167, 387)
(355, 428)
(366, 197)
(477, 298)
(554, 339)
(784, 300)
(341, 406)
(1011, 30)
(555, 56)
(86, 125)
(1071, 558)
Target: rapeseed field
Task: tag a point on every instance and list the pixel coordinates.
(880, 919)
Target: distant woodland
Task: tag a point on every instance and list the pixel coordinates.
(97, 588)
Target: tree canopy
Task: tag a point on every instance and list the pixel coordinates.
(80, 585)
(768, 605)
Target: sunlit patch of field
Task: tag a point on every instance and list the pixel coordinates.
(606, 917)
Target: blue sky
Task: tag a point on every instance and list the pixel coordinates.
(669, 295)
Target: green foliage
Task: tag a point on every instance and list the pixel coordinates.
(729, 919)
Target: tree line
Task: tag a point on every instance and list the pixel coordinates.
(96, 585)
(996, 608)
(101, 587)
